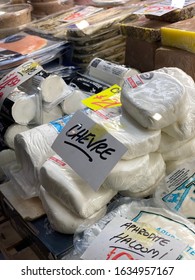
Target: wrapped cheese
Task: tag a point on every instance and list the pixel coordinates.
(155, 100)
(146, 184)
(180, 34)
(11, 132)
(32, 148)
(61, 218)
(62, 182)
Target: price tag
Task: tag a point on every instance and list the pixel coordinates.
(16, 77)
(123, 239)
(88, 148)
(108, 98)
(164, 7)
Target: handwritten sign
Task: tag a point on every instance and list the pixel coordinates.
(88, 148)
(123, 239)
(16, 77)
(108, 98)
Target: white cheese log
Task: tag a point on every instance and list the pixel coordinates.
(72, 102)
(53, 88)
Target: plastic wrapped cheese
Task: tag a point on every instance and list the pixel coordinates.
(146, 184)
(23, 108)
(184, 151)
(168, 143)
(138, 140)
(154, 99)
(53, 114)
(11, 132)
(72, 102)
(53, 88)
(184, 127)
(164, 221)
(61, 218)
(32, 148)
(61, 181)
(177, 190)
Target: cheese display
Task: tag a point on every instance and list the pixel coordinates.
(62, 182)
(174, 57)
(61, 218)
(176, 191)
(179, 35)
(153, 99)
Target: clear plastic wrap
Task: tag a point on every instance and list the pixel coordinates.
(184, 128)
(100, 21)
(146, 184)
(138, 140)
(11, 132)
(154, 99)
(61, 218)
(184, 151)
(177, 191)
(56, 23)
(73, 101)
(71, 190)
(168, 143)
(53, 114)
(53, 90)
(32, 148)
(109, 72)
(23, 106)
(142, 211)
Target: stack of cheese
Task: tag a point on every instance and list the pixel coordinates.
(164, 99)
(177, 46)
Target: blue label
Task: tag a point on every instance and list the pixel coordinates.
(176, 198)
(60, 123)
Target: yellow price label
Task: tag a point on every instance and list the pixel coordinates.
(107, 98)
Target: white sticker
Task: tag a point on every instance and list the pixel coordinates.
(82, 24)
(88, 149)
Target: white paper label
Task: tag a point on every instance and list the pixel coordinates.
(88, 148)
(123, 239)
